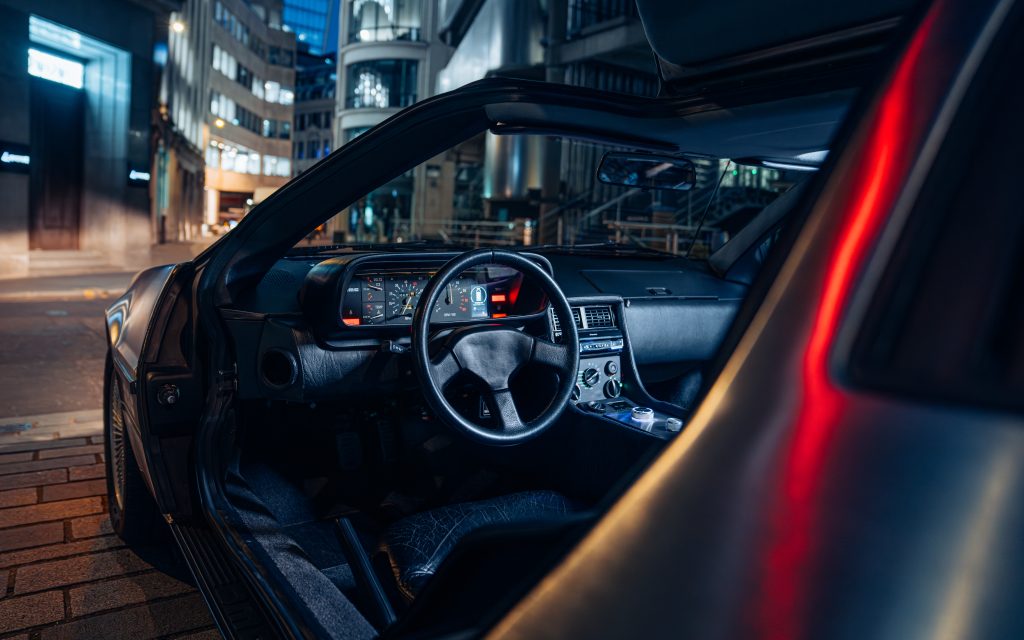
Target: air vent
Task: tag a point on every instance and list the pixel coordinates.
(556, 324)
(598, 318)
(592, 318)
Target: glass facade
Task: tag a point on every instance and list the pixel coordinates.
(311, 21)
(354, 132)
(229, 157)
(379, 84)
(230, 23)
(384, 20)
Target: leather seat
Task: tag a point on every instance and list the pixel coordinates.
(417, 545)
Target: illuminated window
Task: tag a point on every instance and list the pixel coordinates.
(385, 20)
(50, 67)
(378, 84)
(277, 166)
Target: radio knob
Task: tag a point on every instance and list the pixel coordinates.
(576, 393)
(611, 368)
(591, 376)
(612, 388)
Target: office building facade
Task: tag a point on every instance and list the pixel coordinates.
(388, 57)
(231, 93)
(75, 127)
(313, 130)
(314, 23)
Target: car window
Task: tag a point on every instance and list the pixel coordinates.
(947, 320)
(526, 190)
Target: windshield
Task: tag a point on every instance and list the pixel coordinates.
(529, 190)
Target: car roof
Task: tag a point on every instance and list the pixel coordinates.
(697, 37)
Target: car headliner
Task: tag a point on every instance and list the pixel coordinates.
(697, 32)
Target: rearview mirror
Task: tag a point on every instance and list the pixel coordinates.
(647, 171)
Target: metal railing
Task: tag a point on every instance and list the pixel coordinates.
(587, 13)
(480, 233)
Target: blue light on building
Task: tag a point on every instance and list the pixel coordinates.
(314, 23)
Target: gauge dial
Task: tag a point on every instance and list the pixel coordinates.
(454, 301)
(403, 295)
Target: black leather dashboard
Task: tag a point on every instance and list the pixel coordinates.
(676, 314)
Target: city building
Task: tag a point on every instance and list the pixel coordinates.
(79, 81)
(230, 92)
(313, 130)
(394, 52)
(388, 58)
(315, 24)
(591, 43)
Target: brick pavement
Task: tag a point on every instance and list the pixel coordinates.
(63, 572)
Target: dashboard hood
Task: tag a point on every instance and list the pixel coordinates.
(699, 37)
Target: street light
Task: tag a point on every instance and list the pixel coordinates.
(219, 123)
(177, 26)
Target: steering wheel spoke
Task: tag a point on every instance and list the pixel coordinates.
(507, 414)
(550, 354)
(444, 367)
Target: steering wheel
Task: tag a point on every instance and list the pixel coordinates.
(493, 353)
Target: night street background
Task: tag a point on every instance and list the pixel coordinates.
(65, 573)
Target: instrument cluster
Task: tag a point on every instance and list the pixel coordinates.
(390, 296)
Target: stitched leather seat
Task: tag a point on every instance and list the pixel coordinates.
(417, 545)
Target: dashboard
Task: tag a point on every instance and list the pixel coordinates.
(378, 294)
(375, 296)
(331, 326)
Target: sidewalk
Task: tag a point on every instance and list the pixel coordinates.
(64, 573)
(88, 286)
(70, 275)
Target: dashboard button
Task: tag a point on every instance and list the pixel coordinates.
(611, 368)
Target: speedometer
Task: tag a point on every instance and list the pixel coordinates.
(403, 295)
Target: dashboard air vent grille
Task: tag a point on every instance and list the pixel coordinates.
(556, 324)
(586, 318)
(598, 317)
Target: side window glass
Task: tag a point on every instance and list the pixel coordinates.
(948, 319)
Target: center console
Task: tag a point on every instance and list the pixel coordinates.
(601, 385)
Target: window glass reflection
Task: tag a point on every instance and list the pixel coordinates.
(378, 84)
(384, 20)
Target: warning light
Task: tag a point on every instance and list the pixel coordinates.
(498, 297)
(499, 315)
(352, 322)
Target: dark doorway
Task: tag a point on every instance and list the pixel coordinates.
(55, 195)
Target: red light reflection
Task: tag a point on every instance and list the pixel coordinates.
(784, 602)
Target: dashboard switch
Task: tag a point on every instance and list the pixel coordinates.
(591, 377)
(611, 368)
(613, 388)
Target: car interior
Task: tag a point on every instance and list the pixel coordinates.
(423, 429)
